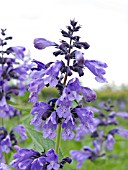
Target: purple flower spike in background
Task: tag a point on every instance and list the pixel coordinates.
(123, 132)
(86, 117)
(41, 43)
(80, 156)
(14, 71)
(110, 142)
(86, 153)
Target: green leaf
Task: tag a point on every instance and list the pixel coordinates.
(21, 108)
(39, 142)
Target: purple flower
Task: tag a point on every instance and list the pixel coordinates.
(43, 77)
(70, 94)
(51, 74)
(20, 129)
(36, 83)
(30, 159)
(39, 109)
(18, 51)
(63, 111)
(120, 131)
(68, 125)
(22, 72)
(79, 58)
(3, 166)
(123, 132)
(73, 90)
(21, 88)
(80, 156)
(111, 119)
(27, 158)
(110, 142)
(121, 105)
(5, 109)
(40, 65)
(33, 97)
(93, 109)
(97, 68)
(86, 153)
(8, 140)
(41, 43)
(6, 144)
(81, 131)
(35, 87)
(86, 117)
(122, 114)
(52, 158)
(50, 126)
(36, 74)
(97, 147)
(88, 94)
(74, 86)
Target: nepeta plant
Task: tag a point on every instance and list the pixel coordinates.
(60, 117)
(13, 74)
(106, 128)
(14, 69)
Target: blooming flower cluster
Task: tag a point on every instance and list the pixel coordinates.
(13, 74)
(30, 159)
(62, 116)
(61, 111)
(14, 69)
(104, 133)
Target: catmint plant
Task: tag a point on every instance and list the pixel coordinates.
(60, 117)
(13, 74)
(14, 68)
(106, 128)
(60, 112)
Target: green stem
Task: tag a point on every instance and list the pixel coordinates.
(6, 158)
(2, 121)
(58, 138)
